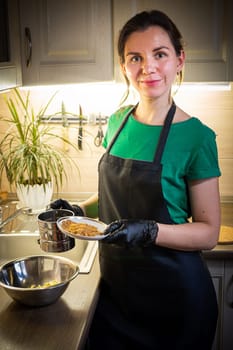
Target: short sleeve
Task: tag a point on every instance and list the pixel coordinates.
(204, 162)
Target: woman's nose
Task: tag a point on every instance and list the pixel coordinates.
(148, 66)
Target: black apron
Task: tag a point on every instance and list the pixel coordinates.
(153, 297)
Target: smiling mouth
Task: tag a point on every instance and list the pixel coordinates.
(150, 82)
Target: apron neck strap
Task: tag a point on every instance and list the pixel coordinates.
(120, 128)
(164, 134)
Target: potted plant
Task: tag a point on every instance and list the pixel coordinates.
(28, 152)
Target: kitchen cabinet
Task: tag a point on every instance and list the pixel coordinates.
(207, 29)
(228, 307)
(66, 41)
(222, 275)
(10, 65)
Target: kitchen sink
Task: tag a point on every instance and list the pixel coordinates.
(15, 245)
(20, 237)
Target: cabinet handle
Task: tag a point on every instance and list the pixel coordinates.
(29, 46)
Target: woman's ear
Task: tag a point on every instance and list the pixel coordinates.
(181, 61)
(123, 68)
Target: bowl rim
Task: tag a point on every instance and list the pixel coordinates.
(49, 256)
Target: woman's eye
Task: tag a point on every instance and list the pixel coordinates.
(135, 59)
(159, 55)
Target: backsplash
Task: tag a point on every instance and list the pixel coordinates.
(212, 106)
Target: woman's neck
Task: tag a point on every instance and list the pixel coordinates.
(152, 112)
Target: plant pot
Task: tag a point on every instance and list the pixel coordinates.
(36, 197)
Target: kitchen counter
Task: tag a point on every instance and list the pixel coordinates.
(64, 324)
(59, 326)
(221, 251)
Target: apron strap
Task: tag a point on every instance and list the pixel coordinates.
(164, 134)
(120, 128)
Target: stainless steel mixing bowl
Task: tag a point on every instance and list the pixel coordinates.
(37, 280)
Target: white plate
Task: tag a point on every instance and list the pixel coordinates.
(83, 220)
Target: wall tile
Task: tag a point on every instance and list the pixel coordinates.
(214, 108)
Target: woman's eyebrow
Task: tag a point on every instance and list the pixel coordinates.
(130, 53)
(160, 48)
(135, 53)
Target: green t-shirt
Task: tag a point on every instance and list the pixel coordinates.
(190, 153)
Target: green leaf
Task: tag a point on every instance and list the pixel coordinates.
(26, 153)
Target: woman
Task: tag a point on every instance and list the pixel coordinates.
(160, 169)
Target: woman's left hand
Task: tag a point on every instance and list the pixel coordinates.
(131, 232)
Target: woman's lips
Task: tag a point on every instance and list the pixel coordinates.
(150, 82)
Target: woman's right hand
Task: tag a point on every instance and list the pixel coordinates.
(63, 204)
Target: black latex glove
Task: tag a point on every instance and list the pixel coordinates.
(63, 204)
(131, 233)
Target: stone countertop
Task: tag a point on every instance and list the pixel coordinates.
(221, 251)
(59, 326)
(64, 324)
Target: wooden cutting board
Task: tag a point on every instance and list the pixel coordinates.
(226, 235)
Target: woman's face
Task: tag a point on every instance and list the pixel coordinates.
(151, 63)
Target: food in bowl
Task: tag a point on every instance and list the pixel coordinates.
(45, 285)
(80, 228)
(37, 280)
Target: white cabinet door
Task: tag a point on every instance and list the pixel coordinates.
(10, 65)
(207, 28)
(66, 41)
